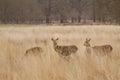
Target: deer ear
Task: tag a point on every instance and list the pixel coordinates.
(89, 39)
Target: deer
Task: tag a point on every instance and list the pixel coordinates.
(99, 50)
(34, 51)
(64, 51)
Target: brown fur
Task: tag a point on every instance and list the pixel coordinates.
(64, 50)
(100, 50)
(35, 51)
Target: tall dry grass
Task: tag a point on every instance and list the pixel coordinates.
(14, 65)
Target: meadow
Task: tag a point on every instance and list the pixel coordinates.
(16, 39)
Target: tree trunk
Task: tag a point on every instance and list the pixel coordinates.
(94, 11)
(79, 19)
(61, 19)
(72, 20)
(47, 20)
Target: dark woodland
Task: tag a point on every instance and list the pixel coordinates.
(59, 11)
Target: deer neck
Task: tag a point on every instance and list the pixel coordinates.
(55, 45)
(88, 49)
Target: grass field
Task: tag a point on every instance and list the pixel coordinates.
(16, 39)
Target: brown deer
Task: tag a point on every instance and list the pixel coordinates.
(34, 51)
(64, 50)
(101, 50)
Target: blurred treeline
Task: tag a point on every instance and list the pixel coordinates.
(59, 11)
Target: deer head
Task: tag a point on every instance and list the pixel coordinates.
(55, 41)
(87, 42)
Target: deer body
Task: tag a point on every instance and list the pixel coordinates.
(103, 48)
(64, 50)
(99, 50)
(35, 51)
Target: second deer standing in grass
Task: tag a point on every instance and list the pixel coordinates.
(99, 50)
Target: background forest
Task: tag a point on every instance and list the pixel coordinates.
(59, 11)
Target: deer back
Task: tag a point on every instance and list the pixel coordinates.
(34, 50)
(66, 50)
(104, 49)
(72, 49)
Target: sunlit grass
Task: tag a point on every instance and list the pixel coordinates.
(15, 40)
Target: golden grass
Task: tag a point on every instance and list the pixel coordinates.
(14, 41)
